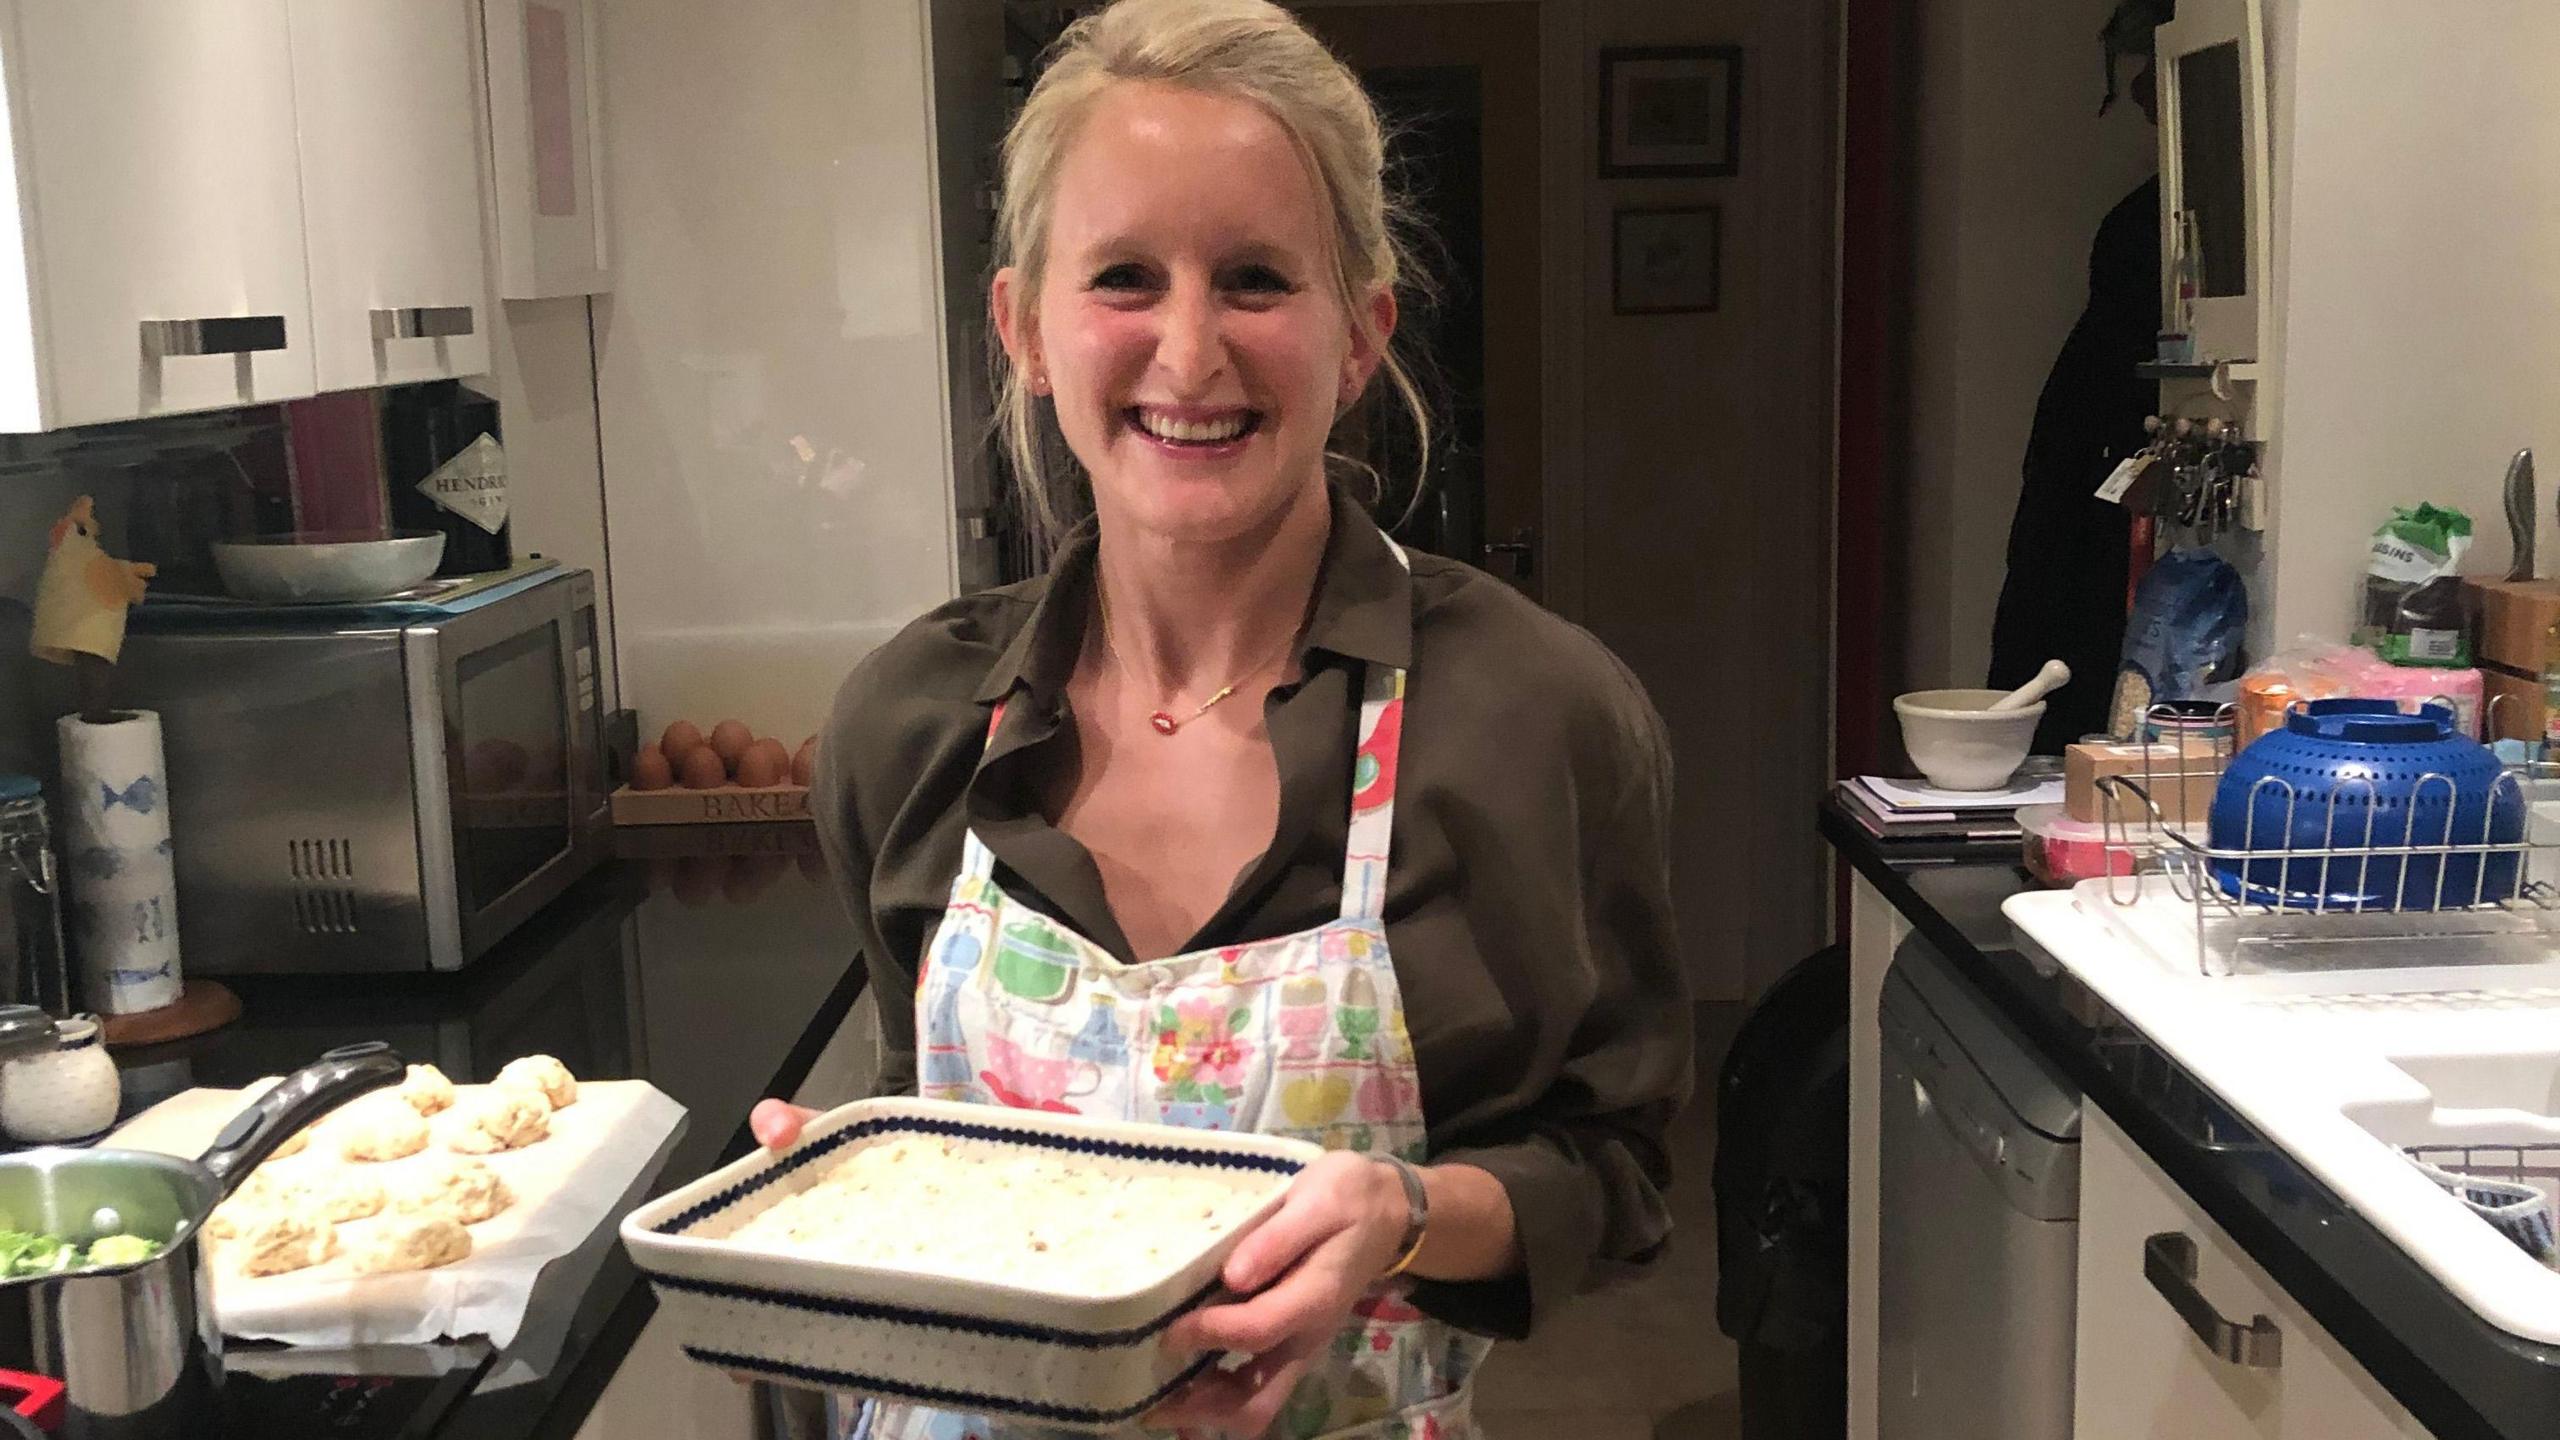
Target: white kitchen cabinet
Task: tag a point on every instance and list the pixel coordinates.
(2143, 1373)
(154, 259)
(391, 159)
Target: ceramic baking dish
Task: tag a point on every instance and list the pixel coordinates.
(1084, 1362)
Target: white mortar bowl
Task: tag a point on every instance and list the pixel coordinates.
(1960, 742)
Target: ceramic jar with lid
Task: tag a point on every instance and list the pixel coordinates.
(65, 1094)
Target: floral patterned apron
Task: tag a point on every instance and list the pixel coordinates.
(1298, 1035)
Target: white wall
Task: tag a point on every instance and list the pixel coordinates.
(2420, 281)
(2014, 170)
(770, 361)
(545, 380)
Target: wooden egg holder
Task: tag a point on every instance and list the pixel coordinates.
(719, 805)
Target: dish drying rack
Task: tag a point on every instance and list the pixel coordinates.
(2304, 923)
(2532, 1164)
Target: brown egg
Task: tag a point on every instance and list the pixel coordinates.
(804, 765)
(650, 770)
(730, 739)
(702, 770)
(760, 767)
(682, 739)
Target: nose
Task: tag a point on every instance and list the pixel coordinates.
(1191, 346)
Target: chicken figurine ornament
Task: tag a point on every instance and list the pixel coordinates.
(81, 602)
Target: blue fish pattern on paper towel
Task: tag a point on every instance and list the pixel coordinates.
(141, 797)
(137, 977)
(98, 863)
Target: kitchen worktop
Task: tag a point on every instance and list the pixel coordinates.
(718, 979)
(2458, 1374)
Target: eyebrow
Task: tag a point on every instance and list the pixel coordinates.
(1254, 253)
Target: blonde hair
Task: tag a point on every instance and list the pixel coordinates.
(1245, 49)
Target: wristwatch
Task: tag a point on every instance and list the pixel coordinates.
(1417, 1223)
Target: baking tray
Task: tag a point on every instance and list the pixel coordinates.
(1078, 1362)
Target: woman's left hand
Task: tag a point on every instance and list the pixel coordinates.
(1301, 1271)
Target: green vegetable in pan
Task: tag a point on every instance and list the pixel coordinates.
(23, 1254)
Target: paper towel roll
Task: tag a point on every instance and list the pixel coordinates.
(123, 869)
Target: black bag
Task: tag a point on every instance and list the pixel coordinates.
(1782, 1201)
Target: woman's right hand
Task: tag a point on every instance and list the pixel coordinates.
(777, 1123)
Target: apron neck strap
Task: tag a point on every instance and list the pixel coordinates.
(1373, 794)
(977, 862)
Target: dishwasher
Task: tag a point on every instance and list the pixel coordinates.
(1980, 1194)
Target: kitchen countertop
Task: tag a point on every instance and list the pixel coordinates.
(718, 979)
(2459, 1375)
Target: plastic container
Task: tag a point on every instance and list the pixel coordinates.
(1068, 1361)
(2061, 851)
(2360, 774)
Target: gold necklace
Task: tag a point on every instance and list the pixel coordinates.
(1163, 721)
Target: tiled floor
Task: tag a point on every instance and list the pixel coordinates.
(1645, 1360)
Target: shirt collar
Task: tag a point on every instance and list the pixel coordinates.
(1363, 608)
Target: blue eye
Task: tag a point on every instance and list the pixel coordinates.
(1121, 277)
(1262, 280)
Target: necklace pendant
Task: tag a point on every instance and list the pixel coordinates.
(1164, 724)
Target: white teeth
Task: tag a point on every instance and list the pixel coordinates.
(1195, 432)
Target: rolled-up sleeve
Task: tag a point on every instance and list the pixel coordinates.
(1584, 1161)
(838, 806)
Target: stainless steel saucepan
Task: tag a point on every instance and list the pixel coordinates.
(136, 1345)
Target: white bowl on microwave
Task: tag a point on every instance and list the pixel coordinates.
(319, 568)
(1083, 1357)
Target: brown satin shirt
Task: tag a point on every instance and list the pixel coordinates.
(1528, 899)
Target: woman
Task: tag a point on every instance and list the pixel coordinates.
(1201, 781)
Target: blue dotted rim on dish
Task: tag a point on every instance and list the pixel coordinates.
(819, 1149)
(936, 1319)
(945, 1399)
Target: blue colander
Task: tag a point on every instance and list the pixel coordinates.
(2351, 774)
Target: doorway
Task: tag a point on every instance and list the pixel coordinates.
(1458, 88)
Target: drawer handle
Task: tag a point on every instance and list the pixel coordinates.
(426, 322)
(213, 335)
(2169, 1263)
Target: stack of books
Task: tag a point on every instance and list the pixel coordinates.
(1911, 810)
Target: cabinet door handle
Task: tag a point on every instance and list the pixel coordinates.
(213, 335)
(2169, 1263)
(425, 322)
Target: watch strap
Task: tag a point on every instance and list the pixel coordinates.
(1417, 1201)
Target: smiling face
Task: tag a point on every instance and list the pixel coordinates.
(1187, 323)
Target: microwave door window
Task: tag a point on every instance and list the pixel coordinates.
(513, 816)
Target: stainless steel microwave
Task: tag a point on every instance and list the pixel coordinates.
(390, 786)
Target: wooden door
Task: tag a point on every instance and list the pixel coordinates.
(1459, 83)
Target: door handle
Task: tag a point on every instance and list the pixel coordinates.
(1521, 551)
(212, 335)
(426, 322)
(2169, 1263)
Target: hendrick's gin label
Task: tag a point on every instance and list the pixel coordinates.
(448, 472)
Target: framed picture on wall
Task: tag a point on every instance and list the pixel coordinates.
(1667, 260)
(1670, 111)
